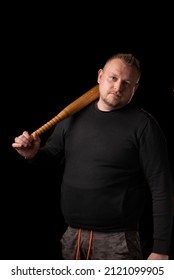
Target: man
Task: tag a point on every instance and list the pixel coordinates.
(112, 151)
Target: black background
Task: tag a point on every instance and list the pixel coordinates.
(50, 56)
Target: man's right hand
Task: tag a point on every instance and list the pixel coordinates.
(27, 145)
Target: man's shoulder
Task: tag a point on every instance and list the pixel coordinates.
(141, 112)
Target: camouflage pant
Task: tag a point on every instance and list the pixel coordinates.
(85, 244)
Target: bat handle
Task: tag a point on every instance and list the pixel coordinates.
(47, 125)
(71, 109)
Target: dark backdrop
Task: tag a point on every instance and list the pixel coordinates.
(49, 61)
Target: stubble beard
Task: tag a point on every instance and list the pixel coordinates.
(112, 102)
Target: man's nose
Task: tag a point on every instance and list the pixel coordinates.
(118, 85)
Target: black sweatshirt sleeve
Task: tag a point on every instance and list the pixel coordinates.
(155, 163)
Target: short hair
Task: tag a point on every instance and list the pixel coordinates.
(129, 59)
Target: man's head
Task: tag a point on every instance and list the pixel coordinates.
(118, 81)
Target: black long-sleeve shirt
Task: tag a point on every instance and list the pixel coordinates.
(109, 159)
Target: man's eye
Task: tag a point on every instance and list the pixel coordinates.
(127, 83)
(114, 78)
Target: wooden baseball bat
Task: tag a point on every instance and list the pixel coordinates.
(71, 109)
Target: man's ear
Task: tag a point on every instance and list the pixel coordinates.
(136, 86)
(100, 71)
